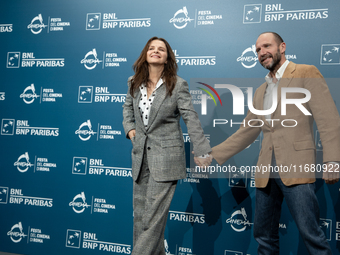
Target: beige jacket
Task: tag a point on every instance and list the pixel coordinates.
(294, 147)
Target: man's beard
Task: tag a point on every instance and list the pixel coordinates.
(275, 61)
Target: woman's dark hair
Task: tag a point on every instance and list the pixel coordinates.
(141, 68)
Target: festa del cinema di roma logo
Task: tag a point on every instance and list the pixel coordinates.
(16, 233)
(180, 19)
(23, 163)
(36, 25)
(248, 58)
(78, 203)
(29, 94)
(238, 102)
(85, 131)
(91, 60)
(238, 220)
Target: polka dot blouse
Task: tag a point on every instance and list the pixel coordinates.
(145, 103)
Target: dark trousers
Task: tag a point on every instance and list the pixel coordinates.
(303, 205)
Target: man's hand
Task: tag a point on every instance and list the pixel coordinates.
(203, 162)
(331, 173)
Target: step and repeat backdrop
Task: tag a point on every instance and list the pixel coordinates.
(65, 165)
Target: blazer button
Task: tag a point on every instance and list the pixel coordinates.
(270, 148)
(149, 148)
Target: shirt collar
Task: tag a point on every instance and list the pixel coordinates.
(279, 72)
(159, 83)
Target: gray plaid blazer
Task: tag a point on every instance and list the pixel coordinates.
(163, 138)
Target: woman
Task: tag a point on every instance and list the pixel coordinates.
(155, 101)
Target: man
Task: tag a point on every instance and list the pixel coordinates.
(285, 146)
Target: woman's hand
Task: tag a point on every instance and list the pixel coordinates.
(132, 133)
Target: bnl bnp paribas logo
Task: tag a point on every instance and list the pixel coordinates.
(28, 60)
(3, 195)
(7, 126)
(13, 59)
(111, 21)
(330, 54)
(252, 13)
(6, 28)
(73, 238)
(79, 165)
(92, 242)
(276, 12)
(100, 95)
(326, 226)
(93, 21)
(85, 94)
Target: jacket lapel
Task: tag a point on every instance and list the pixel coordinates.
(157, 102)
(261, 92)
(284, 82)
(138, 117)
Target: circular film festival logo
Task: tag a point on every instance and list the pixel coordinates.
(90, 60)
(78, 203)
(180, 17)
(29, 94)
(16, 233)
(85, 131)
(238, 220)
(36, 25)
(23, 163)
(249, 57)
